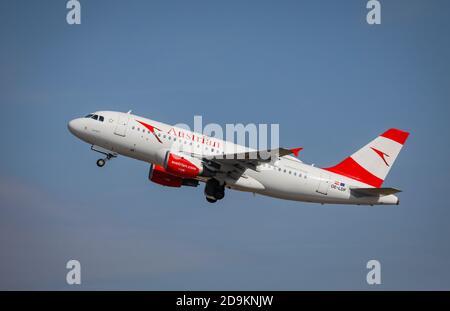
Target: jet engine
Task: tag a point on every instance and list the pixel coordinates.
(182, 165)
(159, 175)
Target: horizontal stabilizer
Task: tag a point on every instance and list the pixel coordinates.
(374, 191)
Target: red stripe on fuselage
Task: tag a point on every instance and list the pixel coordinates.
(151, 128)
(351, 169)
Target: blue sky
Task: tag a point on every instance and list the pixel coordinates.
(317, 68)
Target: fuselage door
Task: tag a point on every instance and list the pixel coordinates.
(324, 184)
(122, 124)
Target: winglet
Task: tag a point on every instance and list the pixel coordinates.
(295, 151)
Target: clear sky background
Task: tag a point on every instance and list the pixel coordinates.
(329, 79)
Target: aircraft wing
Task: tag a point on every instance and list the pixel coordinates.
(238, 162)
(258, 156)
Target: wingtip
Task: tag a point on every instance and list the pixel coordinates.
(296, 151)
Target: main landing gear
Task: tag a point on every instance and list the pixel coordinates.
(107, 153)
(211, 200)
(214, 190)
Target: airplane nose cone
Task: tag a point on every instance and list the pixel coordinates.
(74, 126)
(71, 126)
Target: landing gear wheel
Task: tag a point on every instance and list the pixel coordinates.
(214, 189)
(220, 193)
(100, 162)
(211, 200)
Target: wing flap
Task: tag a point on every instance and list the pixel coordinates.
(257, 156)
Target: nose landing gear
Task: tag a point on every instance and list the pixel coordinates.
(214, 190)
(109, 155)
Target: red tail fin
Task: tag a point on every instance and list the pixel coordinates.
(372, 163)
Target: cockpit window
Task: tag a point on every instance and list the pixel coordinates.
(95, 117)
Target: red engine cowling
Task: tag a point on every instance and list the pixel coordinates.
(159, 175)
(182, 166)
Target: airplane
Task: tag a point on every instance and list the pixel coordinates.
(179, 157)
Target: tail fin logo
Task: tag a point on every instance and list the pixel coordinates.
(381, 154)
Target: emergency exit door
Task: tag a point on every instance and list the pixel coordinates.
(122, 123)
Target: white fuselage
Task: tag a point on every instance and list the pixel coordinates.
(284, 177)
